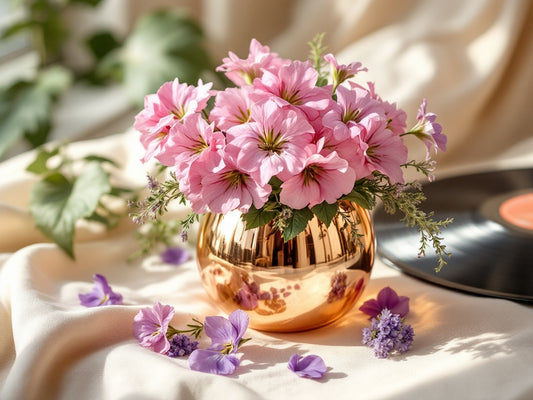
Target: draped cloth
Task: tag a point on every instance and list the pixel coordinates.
(470, 59)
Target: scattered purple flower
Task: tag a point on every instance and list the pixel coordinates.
(181, 345)
(388, 334)
(226, 337)
(389, 299)
(150, 327)
(213, 362)
(101, 295)
(311, 366)
(175, 255)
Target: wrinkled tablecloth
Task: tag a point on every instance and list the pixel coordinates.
(51, 347)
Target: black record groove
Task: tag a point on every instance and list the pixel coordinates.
(491, 255)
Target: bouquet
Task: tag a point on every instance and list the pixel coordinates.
(288, 142)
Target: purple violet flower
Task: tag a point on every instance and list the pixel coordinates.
(428, 130)
(226, 337)
(388, 334)
(150, 327)
(101, 295)
(181, 345)
(389, 299)
(311, 366)
(175, 255)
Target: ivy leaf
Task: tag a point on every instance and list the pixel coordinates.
(57, 203)
(26, 107)
(325, 212)
(297, 223)
(255, 218)
(162, 46)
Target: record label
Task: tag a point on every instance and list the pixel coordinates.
(518, 210)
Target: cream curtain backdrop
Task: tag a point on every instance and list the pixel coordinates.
(470, 59)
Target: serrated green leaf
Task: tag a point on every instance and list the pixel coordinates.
(364, 199)
(255, 218)
(57, 203)
(297, 223)
(325, 212)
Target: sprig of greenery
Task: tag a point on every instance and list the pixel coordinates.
(146, 212)
(64, 196)
(317, 49)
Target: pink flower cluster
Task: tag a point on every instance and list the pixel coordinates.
(276, 122)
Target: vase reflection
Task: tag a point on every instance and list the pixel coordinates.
(304, 283)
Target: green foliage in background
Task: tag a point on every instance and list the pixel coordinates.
(162, 45)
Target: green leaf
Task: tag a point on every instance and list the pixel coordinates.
(39, 165)
(363, 198)
(255, 218)
(56, 203)
(325, 212)
(101, 160)
(102, 43)
(162, 46)
(297, 223)
(26, 108)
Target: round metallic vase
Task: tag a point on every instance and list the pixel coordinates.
(304, 283)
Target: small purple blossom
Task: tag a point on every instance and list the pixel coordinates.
(389, 299)
(226, 337)
(181, 345)
(150, 327)
(429, 131)
(388, 334)
(101, 295)
(175, 255)
(311, 366)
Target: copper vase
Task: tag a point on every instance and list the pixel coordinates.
(304, 283)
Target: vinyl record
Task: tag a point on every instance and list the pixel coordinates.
(491, 238)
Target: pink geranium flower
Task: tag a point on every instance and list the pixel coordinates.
(243, 71)
(232, 107)
(189, 141)
(274, 142)
(341, 72)
(150, 327)
(353, 106)
(294, 84)
(396, 118)
(171, 104)
(228, 188)
(323, 178)
(384, 151)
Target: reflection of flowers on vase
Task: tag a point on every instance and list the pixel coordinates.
(248, 295)
(338, 287)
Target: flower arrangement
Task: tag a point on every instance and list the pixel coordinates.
(290, 141)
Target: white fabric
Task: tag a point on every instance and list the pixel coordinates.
(472, 60)
(51, 347)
